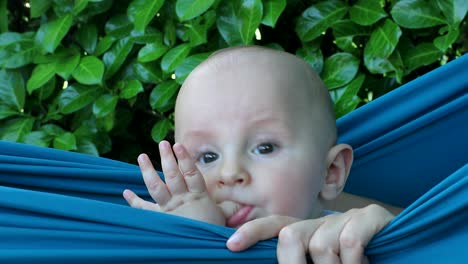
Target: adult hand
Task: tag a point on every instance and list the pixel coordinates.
(337, 238)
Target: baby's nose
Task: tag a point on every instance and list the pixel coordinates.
(233, 173)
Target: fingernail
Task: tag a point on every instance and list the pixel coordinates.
(142, 158)
(126, 194)
(177, 148)
(235, 239)
(164, 145)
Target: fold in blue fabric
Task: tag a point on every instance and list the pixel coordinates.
(410, 149)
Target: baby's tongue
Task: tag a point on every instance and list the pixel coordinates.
(240, 217)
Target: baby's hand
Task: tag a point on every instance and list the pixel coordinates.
(337, 238)
(184, 192)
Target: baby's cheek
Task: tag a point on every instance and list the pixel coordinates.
(293, 197)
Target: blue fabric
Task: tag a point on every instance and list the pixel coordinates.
(410, 147)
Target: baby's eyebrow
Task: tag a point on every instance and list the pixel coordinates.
(196, 134)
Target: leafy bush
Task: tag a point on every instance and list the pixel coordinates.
(101, 76)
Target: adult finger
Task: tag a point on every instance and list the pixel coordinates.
(258, 229)
(136, 202)
(323, 245)
(156, 187)
(174, 180)
(193, 178)
(359, 230)
(293, 241)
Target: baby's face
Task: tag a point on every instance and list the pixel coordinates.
(253, 140)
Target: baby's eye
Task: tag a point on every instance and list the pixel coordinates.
(207, 157)
(264, 148)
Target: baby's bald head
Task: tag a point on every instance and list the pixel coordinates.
(244, 73)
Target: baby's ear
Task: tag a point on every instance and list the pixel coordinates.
(339, 161)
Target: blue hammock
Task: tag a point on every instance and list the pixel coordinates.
(410, 148)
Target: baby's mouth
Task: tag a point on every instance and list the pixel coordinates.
(240, 216)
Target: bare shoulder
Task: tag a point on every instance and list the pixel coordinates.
(347, 201)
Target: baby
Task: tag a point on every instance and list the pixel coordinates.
(256, 150)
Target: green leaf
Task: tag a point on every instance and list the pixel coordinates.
(94, 8)
(79, 6)
(398, 66)
(87, 127)
(273, 9)
(76, 96)
(162, 94)
(15, 129)
(453, 10)
(118, 26)
(422, 54)
(86, 36)
(416, 14)
(6, 111)
(188, 9)
(174, 57)
(18, 54)
(37, 138)
(63, 7)
(345, 31)
(152, 51)
(186, 67)
(12, 90)
(380, 46)
(316, 19)
(104, 105)
(160, 130)
(195, 32)
(131, 89)
(39, 7)
(313, 56)
(66, 65)
(250, 14)
(228, 22)
(169, 33)
(104, 44)
(147, 72)
(141, 12)
(349, 100)
(444, 42)
(114, 58)
(151, 35)
(339, 69)
(90, 71)
(87, 147)
(51, 34)
(106, 123)
(41, 74)
(46, 90)
(367, 12)
(103, 142)
(65, 141)
(52, 130)
(8, 38)
(3, 16)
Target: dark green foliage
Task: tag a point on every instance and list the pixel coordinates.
(101, 76)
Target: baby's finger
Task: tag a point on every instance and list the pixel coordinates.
(174, 180)
(193, 178)
(136, 202)
(156, 187)
(256, 230)
(359, 230)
